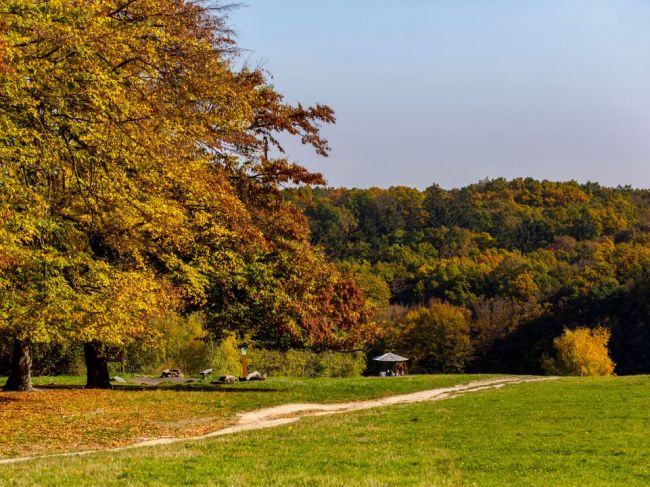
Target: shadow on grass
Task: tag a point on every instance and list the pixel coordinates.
(6, 399)
(175, 387)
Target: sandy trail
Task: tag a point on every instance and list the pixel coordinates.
(290, 413)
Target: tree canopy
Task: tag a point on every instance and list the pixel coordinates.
(136, 181)
(525, 258)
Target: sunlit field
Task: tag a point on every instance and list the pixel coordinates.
(570, 431)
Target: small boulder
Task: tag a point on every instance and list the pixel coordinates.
(171, 373)
(256, 376)
(118, 380)
(226, 379)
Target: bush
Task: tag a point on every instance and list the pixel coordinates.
(187, 347)
(225, 357)
(303, 363)
(47, 358)
(184, 345)
(581, 352)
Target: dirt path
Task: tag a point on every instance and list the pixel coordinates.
(290, 413)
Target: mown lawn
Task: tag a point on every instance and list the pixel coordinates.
(72, 419)
(564, 432)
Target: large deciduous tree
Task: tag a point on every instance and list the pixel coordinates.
(436, 338)
(136, 180)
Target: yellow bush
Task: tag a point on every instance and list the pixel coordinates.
(581, 352)
(226, 359)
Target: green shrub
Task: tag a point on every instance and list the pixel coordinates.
(225, 357)
(304, 363)
(184, 345)
(53, 359)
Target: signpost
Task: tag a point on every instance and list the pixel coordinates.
(115, 354)
(244, 363)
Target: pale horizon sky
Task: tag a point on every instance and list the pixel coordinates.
(454, 91)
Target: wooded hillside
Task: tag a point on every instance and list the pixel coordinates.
(513, 262)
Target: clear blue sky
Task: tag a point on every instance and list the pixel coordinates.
(453, 91)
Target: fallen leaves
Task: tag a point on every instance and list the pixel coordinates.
(54, 421)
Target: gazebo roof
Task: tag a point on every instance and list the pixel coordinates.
(390, 357)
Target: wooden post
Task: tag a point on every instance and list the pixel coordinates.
(244, 362)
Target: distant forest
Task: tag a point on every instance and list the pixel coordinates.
(504, 266)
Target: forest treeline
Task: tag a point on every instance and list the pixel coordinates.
(485, 277)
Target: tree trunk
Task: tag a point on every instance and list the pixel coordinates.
(20, 378)
(96, 366)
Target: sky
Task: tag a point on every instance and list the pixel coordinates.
(454, 91)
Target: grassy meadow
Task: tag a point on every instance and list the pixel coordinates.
(569, 431)
(63, 417)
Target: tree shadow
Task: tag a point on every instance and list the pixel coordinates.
(175, 387)
(4, 399)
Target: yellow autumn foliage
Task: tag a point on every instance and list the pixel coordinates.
(135, 181)
(581, 352)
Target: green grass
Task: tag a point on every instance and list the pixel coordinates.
(565, 432)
